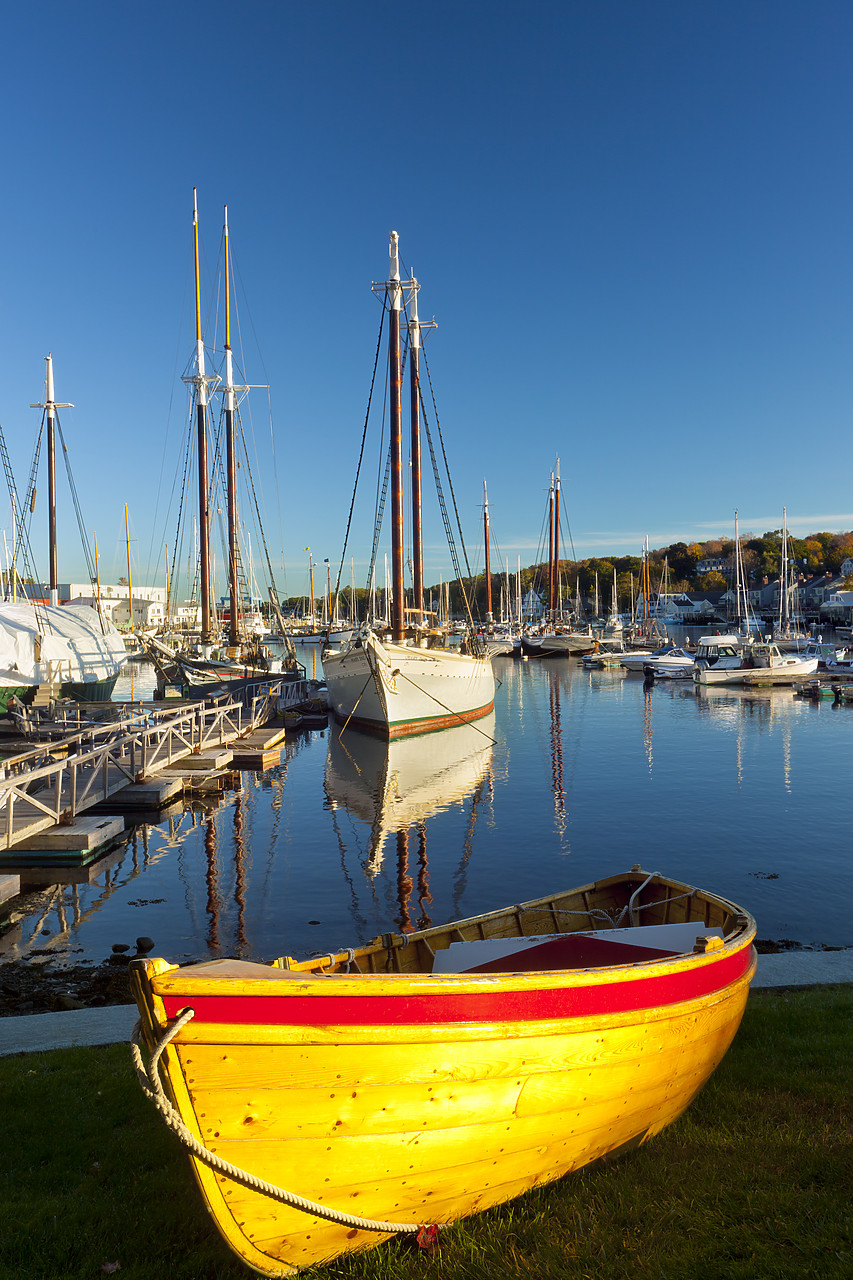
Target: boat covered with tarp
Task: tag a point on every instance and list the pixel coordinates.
(70, 646)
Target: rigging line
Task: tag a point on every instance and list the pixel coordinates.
(238, 278)
(26, 511)
(288, 644)
(360, 455)
(189, 449)
(76, 500)
(377, 528)
(457, 714)
(23, 533)
(446, 520)
(446, 464)
(178, 347)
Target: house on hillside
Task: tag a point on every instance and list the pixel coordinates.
(532, 606)
(714, 564)
(838, 608)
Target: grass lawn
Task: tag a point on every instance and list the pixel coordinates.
(754, 1181)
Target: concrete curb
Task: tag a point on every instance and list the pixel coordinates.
(40, 1031)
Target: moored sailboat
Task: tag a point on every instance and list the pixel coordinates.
(234, 655)
(72, 649)
(397, 687)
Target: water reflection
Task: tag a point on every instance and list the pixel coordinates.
(394, 786)
(590, 772)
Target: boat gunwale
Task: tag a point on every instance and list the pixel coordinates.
(310, 982)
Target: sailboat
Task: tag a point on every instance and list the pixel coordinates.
(71, 650)
(498, 640)
(749, 626)
(230, 659)
(392, 688)
(791, 632)
(557, 638)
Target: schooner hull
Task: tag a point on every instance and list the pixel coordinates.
(394, 691)
(413, 1098)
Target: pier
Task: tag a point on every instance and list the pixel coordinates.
(142, 760)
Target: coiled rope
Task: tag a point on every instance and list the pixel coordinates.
(152, 1087)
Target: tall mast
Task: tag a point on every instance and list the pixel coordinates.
(488, 561)
(97, 574)
(415, 389)
(394, 294)
(557, 538)
(551, 548)
(129, 581)
(50, 406)
(230, 457)
(201, 381)
(784, 602)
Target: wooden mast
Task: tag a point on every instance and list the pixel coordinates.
(129, 579)
(557, 538)
(201, 382)
(230, 455)
(415, 388)
(551, 549)
(394, 294)
(488, 564)
(50, 406)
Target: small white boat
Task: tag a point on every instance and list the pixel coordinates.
(637, 659)
(727, 660)
(676, 662)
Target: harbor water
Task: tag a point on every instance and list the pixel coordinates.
(577, 775)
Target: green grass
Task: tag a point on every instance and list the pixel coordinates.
(754, 1181)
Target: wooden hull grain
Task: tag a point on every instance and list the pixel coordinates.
(425, 1097)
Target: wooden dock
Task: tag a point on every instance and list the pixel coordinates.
(138, 761)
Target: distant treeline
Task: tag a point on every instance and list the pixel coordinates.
(762, 557)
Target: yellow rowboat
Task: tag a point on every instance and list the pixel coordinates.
(330, 1103)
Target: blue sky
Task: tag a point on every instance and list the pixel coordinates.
(631, 221)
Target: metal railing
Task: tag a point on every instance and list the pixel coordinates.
(103, 759)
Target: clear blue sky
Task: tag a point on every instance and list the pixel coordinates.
(632, 222)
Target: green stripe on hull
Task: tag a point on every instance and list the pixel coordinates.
(90, 691)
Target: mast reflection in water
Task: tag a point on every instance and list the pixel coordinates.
(392, 787)
(349, 837)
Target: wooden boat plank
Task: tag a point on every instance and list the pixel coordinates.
(432, 1105)
(584, 1108)
(424, 1063)
(404, 1110)
(414, 1182)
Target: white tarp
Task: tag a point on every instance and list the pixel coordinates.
(67, 642)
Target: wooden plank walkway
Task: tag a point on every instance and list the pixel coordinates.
(48, 786)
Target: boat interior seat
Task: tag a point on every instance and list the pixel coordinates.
(591, 949)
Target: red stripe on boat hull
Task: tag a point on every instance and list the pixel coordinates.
(412, 728)
(485, 1006)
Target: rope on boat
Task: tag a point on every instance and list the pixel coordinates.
(152, 1087)
(459, 716)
